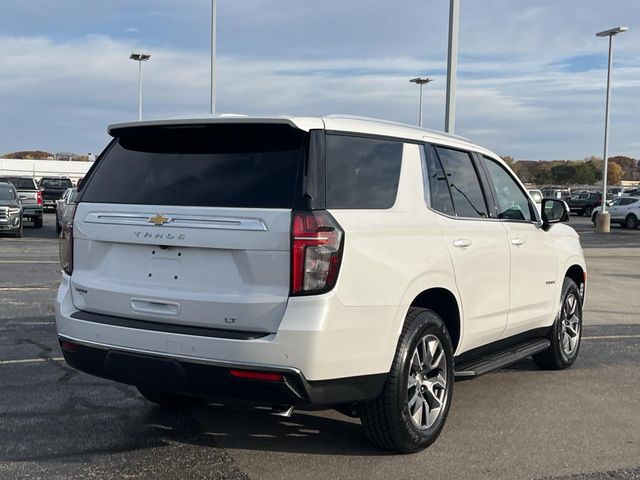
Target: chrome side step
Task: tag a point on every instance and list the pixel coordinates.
(500, 359)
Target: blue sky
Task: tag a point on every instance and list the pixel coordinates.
(531, 73)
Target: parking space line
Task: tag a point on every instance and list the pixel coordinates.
(60, 359)
(610, 337)
(29, 261)
(30, 360)
(27, 289)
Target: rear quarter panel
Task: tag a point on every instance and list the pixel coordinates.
(391, 256)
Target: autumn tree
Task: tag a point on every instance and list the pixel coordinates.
(628, 165)
(614, 173)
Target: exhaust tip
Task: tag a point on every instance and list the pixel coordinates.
(282, 411)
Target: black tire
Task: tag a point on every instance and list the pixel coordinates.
(556, 357)
(58, 228)
(387, 419)
(594, 219)
(169, 400)
(18, 234)
(37, 222)
(588, 211)
(631, 222)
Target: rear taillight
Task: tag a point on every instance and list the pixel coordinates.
(69, 347)
(253, 375)
(316, 252)
(39, 197)
(66, 240)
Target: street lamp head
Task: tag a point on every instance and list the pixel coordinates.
(612, 31)
(421, 81)
(140, 57)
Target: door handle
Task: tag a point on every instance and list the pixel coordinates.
(517, 242)
(462, 243)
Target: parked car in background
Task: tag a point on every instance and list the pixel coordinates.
(584, 203)
(536, 195)
(10, 210)
(52, 189)
(68, 197)
(624, 211)
(313, 263)
(30, 197)
(633, 192)
(559, 193)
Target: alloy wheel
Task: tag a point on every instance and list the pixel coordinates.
(427, 383)
(571, 324)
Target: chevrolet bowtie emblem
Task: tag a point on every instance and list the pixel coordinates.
(159, 220)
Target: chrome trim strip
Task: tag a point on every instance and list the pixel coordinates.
(183, 221)
(186, 358)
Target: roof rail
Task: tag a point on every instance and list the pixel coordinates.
(390, 122)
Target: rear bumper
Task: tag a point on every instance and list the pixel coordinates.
(32, 212)
(214, 380)
(345, 352)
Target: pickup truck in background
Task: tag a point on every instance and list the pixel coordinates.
(585, 202)
(52, 189)
(30, 197)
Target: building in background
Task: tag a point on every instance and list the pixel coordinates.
(44, 168)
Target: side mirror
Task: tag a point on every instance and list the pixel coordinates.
(554, 211)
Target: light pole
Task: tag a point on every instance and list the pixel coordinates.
(604, 220)
(452, 66)
(140, 57)
(420, 81)
(214, 12)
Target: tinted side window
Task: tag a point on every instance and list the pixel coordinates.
(512, 203)
(437, 182)
(362, 172)
(468, 199)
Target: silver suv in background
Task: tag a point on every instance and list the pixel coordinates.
(30, 198)
(10, 210)
(62, 207)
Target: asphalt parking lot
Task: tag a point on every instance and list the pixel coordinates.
(515, 423)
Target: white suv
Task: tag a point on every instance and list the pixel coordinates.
(329, 262)
(623, 210)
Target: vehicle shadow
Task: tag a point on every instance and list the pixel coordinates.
(253, 428)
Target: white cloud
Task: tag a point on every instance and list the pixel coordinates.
(514, 95)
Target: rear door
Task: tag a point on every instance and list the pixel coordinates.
(477, 244)
(190, 225)
(625, 205)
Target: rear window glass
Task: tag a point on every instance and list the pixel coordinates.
(362, 172)
(21, 183)
(55, 182)
(227, 165)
